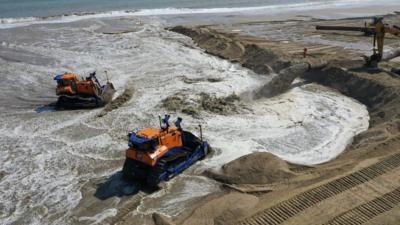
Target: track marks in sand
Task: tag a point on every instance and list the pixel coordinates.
(369, 210)
(118, 102)
(284, 210)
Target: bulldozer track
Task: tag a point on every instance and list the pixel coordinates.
(369, 210)
(127, 208)
(284, 210)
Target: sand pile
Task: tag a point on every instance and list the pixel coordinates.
(118, 102)
(282, 82)
(174, 102)
(256, 168)
(263, 61)
(160, 219)
(223, 105)
(179, 102)
(212, 42)
(260, 60)
(224, 209)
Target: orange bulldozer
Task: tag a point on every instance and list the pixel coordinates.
(82, 93)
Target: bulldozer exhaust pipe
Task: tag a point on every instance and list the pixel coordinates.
(201, 132)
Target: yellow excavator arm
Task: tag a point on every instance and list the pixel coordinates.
(381, 30)
(376, 28)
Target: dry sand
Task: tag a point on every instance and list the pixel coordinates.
(257, 168)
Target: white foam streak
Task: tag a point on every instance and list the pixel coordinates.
(98, 218)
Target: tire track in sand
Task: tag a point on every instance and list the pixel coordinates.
(369, 210)
(289, 208)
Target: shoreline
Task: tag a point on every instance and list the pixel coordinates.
(200, 16)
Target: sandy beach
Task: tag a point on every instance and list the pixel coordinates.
(316, 152)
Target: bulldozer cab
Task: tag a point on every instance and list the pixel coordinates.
(68, 83)
(65, 79)
(141, 143)
(149, 144)
(149, 139)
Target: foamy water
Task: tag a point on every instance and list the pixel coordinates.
(47, 157)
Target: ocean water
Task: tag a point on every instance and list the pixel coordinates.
(43, 8)
(27, 12)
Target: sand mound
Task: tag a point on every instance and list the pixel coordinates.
(160, 219)
(223, 210)
(205, 102)
(223, 105)
(260, 60)
(282, 81)
(256, 168)
(118, 102)
(263, 61)
(179, 103)
(212, 42)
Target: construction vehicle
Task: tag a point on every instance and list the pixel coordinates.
(158, 154)
(376, 28)
(77, 93)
